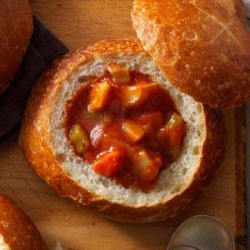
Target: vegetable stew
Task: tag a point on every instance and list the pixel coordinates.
(126, 126)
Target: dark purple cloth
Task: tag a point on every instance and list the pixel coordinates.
(43, 49)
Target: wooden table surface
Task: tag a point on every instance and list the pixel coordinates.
(79, 23)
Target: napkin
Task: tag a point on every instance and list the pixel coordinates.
(43, 49)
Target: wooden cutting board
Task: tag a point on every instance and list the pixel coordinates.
(79, 23)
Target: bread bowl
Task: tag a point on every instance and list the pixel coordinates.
(16, 25)
(17, 231)
(47, 147)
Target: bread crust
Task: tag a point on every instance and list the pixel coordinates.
(201, 47)
(16, 25)
(17, 229)
(36, 141)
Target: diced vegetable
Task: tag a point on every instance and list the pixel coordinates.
(120, 74)
(79, 138)
(137, 95)
(144, 167)
(176, 121)
(133, 130)
(133, 95)
(171, 135)
(99, 96)
(110, 163)
(155, 120)
(175, 128)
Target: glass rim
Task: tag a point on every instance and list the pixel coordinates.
(211, 217)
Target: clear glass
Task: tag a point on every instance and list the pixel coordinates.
(202, 232)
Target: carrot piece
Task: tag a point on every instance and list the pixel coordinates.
(110, 163)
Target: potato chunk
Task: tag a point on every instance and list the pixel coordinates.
(110, 163)
(133, 130)
(133, 96)
(79, 138)
(99, 96)
(120, 74)
(144, 167)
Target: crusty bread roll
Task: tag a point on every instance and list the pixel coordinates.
(17, 231)
(201, 48)
(47, 149)
(16, 26)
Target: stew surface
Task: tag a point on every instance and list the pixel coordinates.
(126, 126)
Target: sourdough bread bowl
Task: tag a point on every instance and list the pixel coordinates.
(17, 231)
(44, 141)
(16, 25)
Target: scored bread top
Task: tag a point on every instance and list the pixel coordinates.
(16, 25)
(17, 231)
(49, 152)
(201, 48)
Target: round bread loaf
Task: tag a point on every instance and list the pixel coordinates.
(47, 149)
(16, 26)
(201, 48)
(17, 231)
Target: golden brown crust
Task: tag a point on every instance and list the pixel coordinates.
(201, 48)
(17, 229)
(16, 26)
(35, 140)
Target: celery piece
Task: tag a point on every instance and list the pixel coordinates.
(79, 138)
